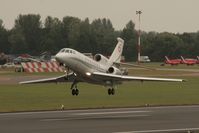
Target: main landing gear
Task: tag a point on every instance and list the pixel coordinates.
(111, 91)
(75, 92)
(74, 89)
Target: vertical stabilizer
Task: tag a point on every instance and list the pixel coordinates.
(167, 58)
(117, 53)
(197, 57)
(183, 59)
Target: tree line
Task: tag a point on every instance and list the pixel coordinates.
(30, 35)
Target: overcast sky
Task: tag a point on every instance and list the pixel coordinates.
(158, 15)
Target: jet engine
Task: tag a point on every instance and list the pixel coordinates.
(114, 70)
(100, 58)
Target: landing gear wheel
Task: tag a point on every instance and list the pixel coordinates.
(111, 91)
(75, 92)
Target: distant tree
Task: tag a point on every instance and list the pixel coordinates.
(1, 24)
(165, 44)
(99, 36)
(196, 48)
(147, 42)
(84, 42)
(129, 35)
(70, 31)
(103, 36)
(189, 47)
(27, 29)
(52, 39)
(4, 44)
(18, 42)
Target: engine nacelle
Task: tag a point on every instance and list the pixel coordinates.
(114, 70)
(100, 58)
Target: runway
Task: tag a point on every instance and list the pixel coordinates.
(124, 120)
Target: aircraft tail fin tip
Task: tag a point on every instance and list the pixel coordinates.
(167, 58)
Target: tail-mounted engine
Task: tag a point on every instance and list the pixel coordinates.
(114, 70)
(100, 58)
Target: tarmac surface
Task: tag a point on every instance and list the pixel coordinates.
(120, 120)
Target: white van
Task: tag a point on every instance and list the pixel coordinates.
(144, 59)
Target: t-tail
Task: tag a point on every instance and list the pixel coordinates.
(167, 58)
(197, 57)
(183, 59)
(117, 53)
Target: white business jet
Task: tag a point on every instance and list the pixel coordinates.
(99, 70)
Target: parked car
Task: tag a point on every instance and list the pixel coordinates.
(144, 59)
(8, 65)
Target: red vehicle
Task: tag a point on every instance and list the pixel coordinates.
(189, 61)
(172, 61)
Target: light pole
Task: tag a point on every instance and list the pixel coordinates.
(139, 33)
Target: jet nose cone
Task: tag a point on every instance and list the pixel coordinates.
(57, 57)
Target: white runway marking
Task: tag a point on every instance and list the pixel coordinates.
(88, 110)
(73, 111)
(115, 112)
(157, 131)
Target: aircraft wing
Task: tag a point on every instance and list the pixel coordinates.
(64, 78)
(108, 76)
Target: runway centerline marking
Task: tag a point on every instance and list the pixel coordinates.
(163, 130)
(115, 112)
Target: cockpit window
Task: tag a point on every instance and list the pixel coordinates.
(61, 51)
(66, 51)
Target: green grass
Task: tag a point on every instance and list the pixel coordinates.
(130, 94)
(51, 96)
